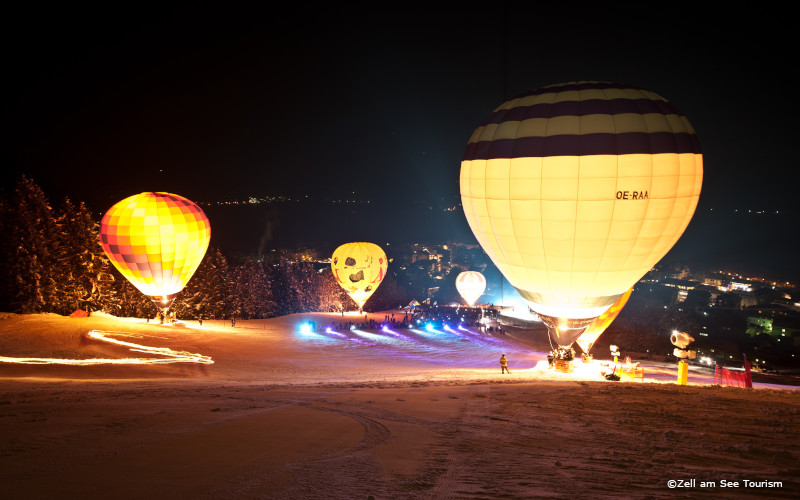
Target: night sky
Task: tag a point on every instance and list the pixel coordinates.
(225, 103)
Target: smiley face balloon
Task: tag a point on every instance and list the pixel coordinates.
(359, 268)
(157, 241)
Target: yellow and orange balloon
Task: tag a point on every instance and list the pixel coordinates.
(589, 336)
(359, 268)
(157, 241)
(471, 285)
(576, 190)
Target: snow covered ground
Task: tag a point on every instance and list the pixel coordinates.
(290, 411)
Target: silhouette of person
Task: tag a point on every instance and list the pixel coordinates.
(504, 364)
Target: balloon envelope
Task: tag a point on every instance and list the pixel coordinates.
(471, 285)
(599, 325)
(576, 190)
(156, 240)
(359, 268)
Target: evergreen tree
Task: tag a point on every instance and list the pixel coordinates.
(251, 290)
(31, 248)
(284, 287)
(130, 302)
(194, 301)
(307, 295)
(83, 268)
(331, 296)
(217, 283)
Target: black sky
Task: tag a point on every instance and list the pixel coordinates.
(219, 102)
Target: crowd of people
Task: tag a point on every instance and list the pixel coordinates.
(422, 316)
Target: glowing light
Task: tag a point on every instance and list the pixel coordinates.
(335, 333)
(157, 241)
(575, 191)
(471, 285)
(169, 355)
(359, 268)
(599, 325)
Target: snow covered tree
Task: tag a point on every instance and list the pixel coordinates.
(83, 268)
(251, 290)
(128, 301)
(284, 287)
(193, 301)
(30, 250)
(331, 296)
(305, 291)
(216, 283)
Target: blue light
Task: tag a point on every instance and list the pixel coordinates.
(429, 327)
(305, 328)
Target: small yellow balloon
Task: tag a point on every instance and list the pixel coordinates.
(359, 268)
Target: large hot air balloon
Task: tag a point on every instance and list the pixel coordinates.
(470, 284)
(576, 190)
(600, 323)
(359, 268)
(157, 241)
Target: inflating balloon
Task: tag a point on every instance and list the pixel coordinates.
(470, 284)
(157, 241)
(359, 268)
(599, 325)
(576, 190)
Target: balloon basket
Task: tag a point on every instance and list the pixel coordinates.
(631, 371)
(563, 365)
(587, 358)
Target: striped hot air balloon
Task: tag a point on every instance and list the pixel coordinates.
(576, 190)
(471, 285)
(157, 241)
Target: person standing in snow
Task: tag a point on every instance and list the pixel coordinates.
(504, 365)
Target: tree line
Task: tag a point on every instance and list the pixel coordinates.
(51, 261)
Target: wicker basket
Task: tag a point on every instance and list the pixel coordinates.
(563, 365)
